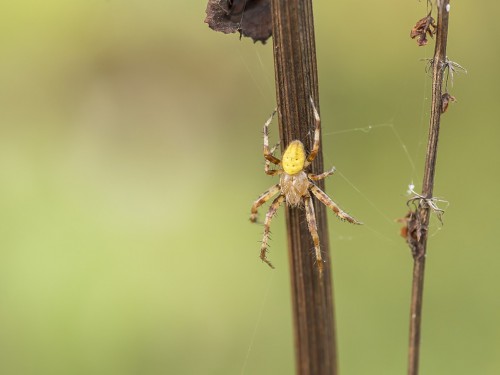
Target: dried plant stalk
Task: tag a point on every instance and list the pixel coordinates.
(419, 244)
(297, 80)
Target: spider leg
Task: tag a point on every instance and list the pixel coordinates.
(316, 177)
(327, 201)
(313, 229)
(267, 153)
(271, 172)
(267, 227)
(315, 148)
(263, 199)
(267, 167)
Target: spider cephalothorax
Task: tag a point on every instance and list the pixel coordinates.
(295, 187)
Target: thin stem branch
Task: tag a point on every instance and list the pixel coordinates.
(297, 80)
(424, 210)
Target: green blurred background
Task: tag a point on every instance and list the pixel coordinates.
(130, 155)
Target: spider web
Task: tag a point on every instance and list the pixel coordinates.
(389, 129)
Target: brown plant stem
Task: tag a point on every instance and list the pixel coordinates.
(297, 80)
(423, 210)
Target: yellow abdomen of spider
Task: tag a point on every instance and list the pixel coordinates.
(294, 158)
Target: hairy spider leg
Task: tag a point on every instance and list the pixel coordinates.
(315, 148)
(317, 177)
(273, 208)
(313, 229)
(327, 201)
(267, 166)
(263, 199)
(267, 153)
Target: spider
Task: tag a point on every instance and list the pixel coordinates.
(295, 187)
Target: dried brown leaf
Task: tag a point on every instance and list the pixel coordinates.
(411, 230)
(423, 27)
(251, 18)
(446, 99)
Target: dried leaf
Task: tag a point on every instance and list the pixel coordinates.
(411, 231)
(423, 27)
(251, 18)
(446, 99)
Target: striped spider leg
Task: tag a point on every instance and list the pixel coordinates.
(296, 187)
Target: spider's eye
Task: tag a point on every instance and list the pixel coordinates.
(294, 158)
